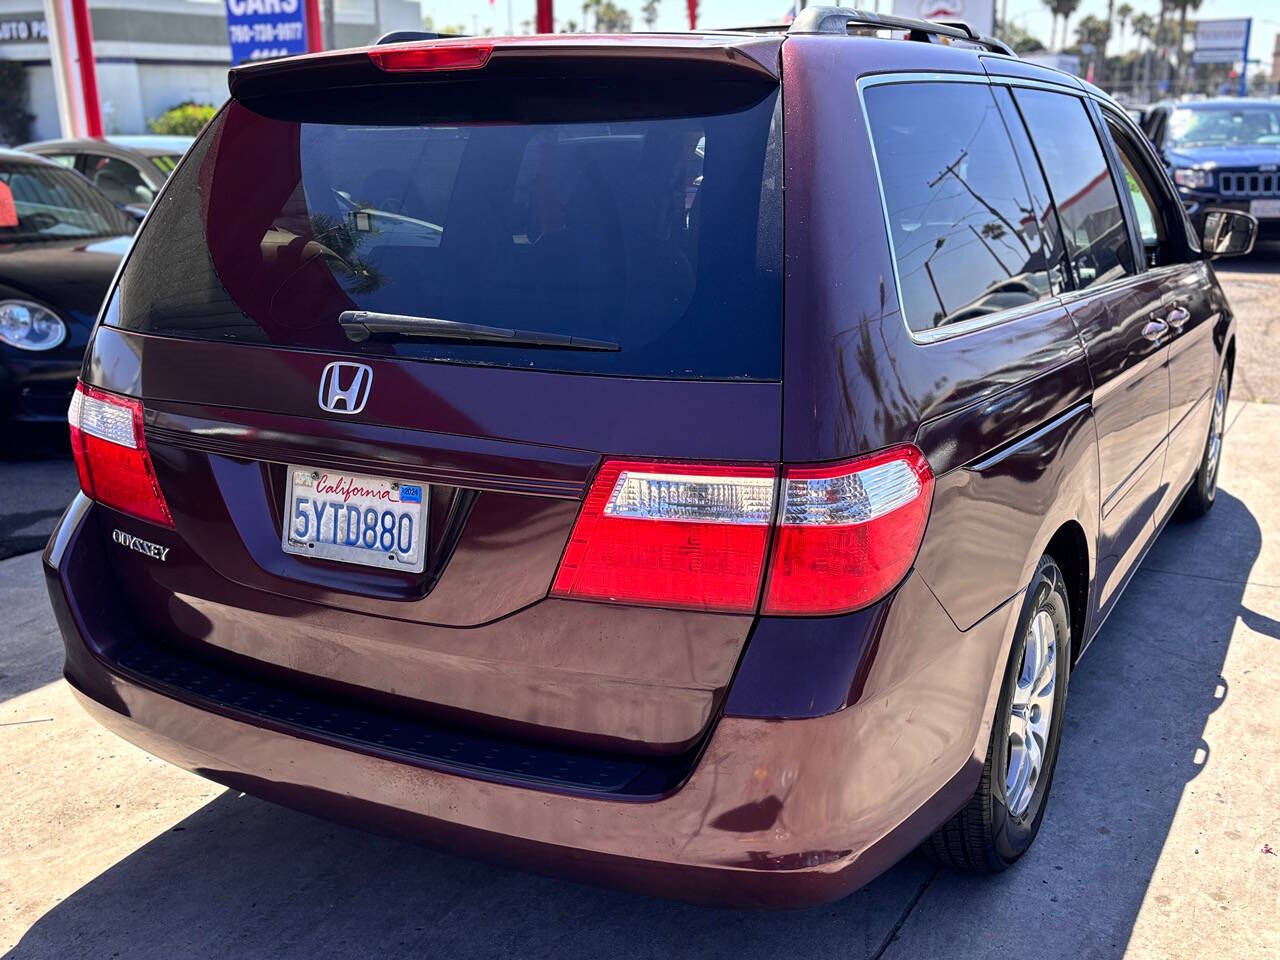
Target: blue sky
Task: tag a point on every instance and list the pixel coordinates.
(1031, 14)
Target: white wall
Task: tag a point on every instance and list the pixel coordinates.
(163, 86)
(132, 94)
(43, 102)
(120, 96)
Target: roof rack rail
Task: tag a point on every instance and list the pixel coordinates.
(840, 20)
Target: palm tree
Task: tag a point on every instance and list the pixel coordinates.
(1144, 26)
(1123, 13)
(1106, 38)
(1065, 9)
(649, 13)
(1053, 30)
(1182, 6)
(1091, 31)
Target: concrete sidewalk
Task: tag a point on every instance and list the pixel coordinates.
(1157, 843)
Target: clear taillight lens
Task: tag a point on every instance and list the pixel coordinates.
(695, 536)
(111, 454)
(671, 535)
(848, 533)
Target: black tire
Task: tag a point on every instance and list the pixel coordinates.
(1200, 496)
(986, 836)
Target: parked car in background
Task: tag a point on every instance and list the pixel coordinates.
(61, 241)
(551, 526)
(130, 170)
(1222, 154)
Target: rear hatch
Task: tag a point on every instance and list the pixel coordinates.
(627, 197)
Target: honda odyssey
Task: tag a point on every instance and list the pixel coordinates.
(690, 462)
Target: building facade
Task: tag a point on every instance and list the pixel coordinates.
(155, 54)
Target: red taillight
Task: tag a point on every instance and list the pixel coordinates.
(671, 535)
(847, 534)
(111, 454)
(695, 536)
(437, 56)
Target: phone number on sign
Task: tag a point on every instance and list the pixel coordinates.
(264, 32)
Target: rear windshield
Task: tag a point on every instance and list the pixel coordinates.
(41, 201)
(660, 234)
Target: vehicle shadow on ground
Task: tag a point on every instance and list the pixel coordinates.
(39, 476)
(242, 877)
(1138, 706)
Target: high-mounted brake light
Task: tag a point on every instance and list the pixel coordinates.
(848, 533)
(111, 454)
(671, 535)
(439, 56)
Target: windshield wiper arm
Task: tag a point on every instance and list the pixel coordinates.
(359, 325)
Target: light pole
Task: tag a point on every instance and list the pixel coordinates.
(75, 73)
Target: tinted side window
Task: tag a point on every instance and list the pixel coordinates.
(964, 230)
(1143, 205)
(1055, 252)
(1155, 209)
(1081, 184)
(120, 181)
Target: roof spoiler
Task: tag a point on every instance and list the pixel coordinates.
(360, 66)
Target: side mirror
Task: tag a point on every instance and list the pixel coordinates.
(1228, 233)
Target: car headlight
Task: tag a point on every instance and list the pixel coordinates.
(1194, 179)
(29, 326)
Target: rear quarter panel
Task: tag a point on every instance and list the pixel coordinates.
(1001, 412)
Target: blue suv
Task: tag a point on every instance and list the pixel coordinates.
(1222, 153)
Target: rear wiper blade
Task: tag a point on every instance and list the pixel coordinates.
(359, 325)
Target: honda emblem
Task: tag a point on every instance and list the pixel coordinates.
(344, 387)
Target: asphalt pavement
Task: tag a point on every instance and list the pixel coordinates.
(1162, 838)
(39, 480)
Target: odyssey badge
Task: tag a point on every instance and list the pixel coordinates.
(152, 550)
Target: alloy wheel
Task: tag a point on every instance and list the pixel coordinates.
(1031, 714)
(1217, 427)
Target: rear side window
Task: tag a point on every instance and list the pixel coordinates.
(118, 179)
(660, 233)
(966, 238)
(1081, 184)
(41, 201)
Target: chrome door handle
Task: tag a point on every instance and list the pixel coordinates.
(1178, 317)
(1155, 329)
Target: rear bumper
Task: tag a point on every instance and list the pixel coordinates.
(775, 812)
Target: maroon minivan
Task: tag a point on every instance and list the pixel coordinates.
(692, 462)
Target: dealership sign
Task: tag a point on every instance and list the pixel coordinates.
(24, 30)
(979, 14)
(262, 29)
(1222, 41)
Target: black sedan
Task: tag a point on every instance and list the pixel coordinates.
(60, 243)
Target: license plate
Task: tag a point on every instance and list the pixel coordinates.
(354, 518)
(1264, 208)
